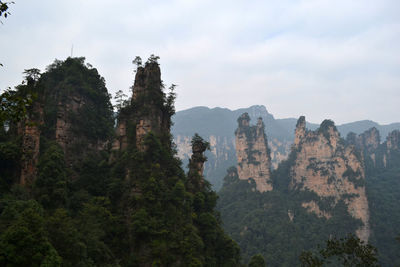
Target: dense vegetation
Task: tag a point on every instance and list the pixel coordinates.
(108, 208)
(384, 198)
(90, 205)
(274, 223)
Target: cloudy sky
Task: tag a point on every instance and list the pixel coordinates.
(319, 58)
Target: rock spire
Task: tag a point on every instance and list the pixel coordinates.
(252, 152)
(326, 166)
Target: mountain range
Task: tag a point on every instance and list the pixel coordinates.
(217, 125)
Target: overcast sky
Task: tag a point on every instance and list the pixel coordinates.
(319, 58)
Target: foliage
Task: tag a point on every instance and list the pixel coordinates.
(152, 59)
(120, 99)
(89, 206)
(349, 251)
(137, 61)
(199, 143)
(257, 261)
(261, 222)
(170, 100)
(4, 8)
(10, 154)
(324, 128)
(83, 90)
(384, 200)
(23, 238)
(50, 188)
(14, 106)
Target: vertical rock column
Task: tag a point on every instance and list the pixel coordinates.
(252, 152)
(30, 146)
(146, 112)
(196, 163)
(327, 167)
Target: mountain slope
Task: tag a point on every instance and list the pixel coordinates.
(73, 193)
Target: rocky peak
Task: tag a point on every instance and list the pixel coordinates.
(326, 166)
(196, 162)
(72, 108)
(244, 120)
(393, 140)
(300, 131)
(330, 132)
(148, 111)
(252, 152)
(147, 81)
(391, 148)
(369, 140)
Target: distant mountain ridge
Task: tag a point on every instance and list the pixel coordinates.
(217, 125)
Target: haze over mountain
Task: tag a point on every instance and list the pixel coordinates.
(217, 125)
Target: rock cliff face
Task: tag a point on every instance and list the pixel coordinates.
(391, 147)
(30, 131)
(146, 113)
(393, 140)
(72, 108)
(377, 155)
(326, 166)
(252, 153)
(367, 142)
(64, 134)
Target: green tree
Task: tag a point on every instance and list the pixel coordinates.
(257, 261)
(14, 106)
(23, 238)
(349, 251)
(120, 100)
(137, 61)
(50, 187)
(4, 8)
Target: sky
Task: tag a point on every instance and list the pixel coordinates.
(324, 59)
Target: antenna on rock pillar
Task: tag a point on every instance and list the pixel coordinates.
(72, 50)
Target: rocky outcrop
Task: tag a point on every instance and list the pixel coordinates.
(65, 108)
(279, 151)
(326, 166)
(196, 163)
(381, 155)
(367, 142)
(197, 160)
(253, 159)
(121, 141)
(393, 140)
(300, 131)
(147, 112)
(312, 206)
(391, 148)
(72, 108)
(30, 131)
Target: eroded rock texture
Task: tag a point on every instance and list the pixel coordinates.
(196, 163)
(326, 166)
(30, 131)
(252, 152)
(146, 113)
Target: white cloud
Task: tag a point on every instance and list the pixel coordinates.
(336, 59)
